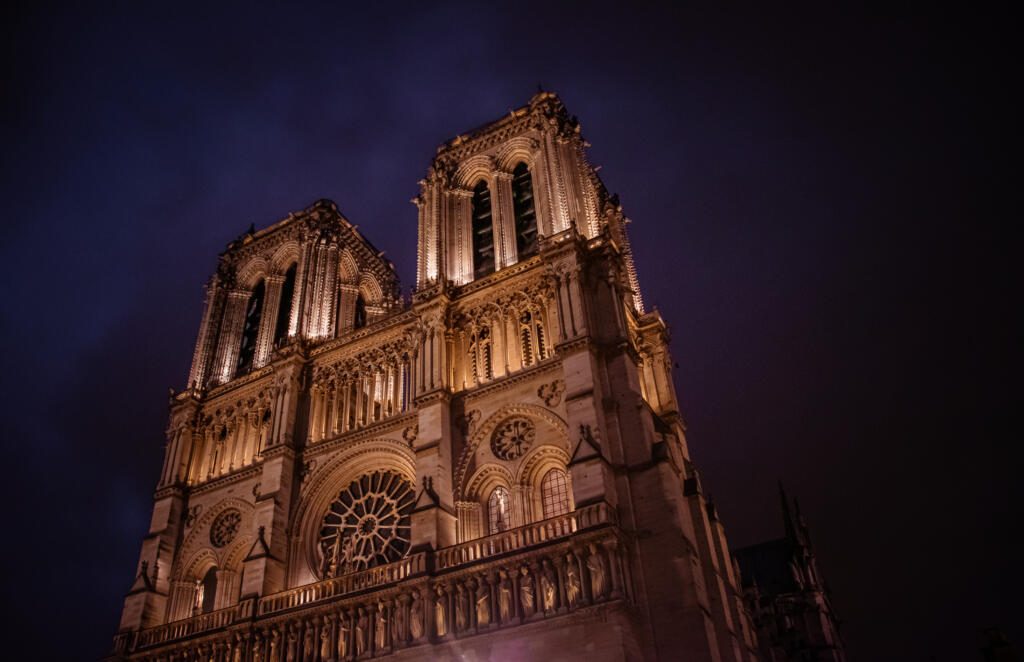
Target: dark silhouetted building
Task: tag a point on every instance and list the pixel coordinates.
(787, 597)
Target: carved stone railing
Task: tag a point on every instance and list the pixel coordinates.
(525, 536)
(410, 566)
(539, 571)
(213, 620)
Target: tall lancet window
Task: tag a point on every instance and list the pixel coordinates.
(497, 510)
(207, 591)
(554, 493)
(483, 231)
(284, 309)
(526, 215)
(359, 317)
(250, 330)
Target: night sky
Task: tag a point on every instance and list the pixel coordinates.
(812, 195)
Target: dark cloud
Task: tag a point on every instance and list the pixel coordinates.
(813, 195)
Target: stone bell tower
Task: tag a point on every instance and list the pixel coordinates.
(496, 469)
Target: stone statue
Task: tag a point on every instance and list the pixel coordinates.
(257, 648)
(293, 645)
(381, 627)
(441, 612)
(416, 616)
(573, 587)
(325, 641)
(548, 586)
(307, 641)
(239, 645)
(343, 630)
(504, 597)
(483, 603)
(275, 644)
(461, 609)
(362, 625)
(398, 619)
(526, 597)
(596, 567)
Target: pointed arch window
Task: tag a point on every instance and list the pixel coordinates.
(531, 338)
(359, 317)
(251, 329)
(206, 591)
(483, 231)
(480, 355)
(284, 308)
(498, 511)
(525, 212)
(554, 493)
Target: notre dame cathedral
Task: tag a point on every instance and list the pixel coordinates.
(494, 470)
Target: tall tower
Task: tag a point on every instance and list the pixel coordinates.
(496, 469)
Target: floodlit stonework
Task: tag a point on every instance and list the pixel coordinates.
(495, 470)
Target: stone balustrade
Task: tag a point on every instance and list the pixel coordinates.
(213, 620)
(525, 536)
(410, 566)
(536, 572)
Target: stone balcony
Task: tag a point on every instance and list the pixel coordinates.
(536, 572)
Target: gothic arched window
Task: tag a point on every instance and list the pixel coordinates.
(525, 213)
(284, 308)
(207, 591)
(251, 329)
(554, 493)
(483, 231)
(359, 317)
(480, 355)
(497, 510)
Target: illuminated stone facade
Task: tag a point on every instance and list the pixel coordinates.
(494, 470)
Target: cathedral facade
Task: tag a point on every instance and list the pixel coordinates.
(496, 469)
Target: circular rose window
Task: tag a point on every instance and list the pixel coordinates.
(225, 527)
(513, 438)
(367, 525)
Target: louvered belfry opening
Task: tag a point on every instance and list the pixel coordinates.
(525, 214)
(483, 231)
(251, 329)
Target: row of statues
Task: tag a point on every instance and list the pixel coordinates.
(562, 582)
(537, 588)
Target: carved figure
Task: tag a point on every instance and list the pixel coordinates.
(307, 641)
(398, 621)
(275, 643)
(362, 625)
(504, 597)
(548, 586)
(293, 645)
(596, 567)
(441, 612)
(325, 641)
(573, 587)
(239, 645)
(257, 648)
(416, 616)
(381, 628)
(526, 596)
(483, 603)
(461, 608)
(343, 630)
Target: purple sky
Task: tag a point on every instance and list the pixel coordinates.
(812, 197)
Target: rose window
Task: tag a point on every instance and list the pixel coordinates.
(225, 527)
(513, 438)
(367, 525)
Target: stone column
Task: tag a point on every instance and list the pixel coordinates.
(503, 215)
(268, 321)
(230, 336)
